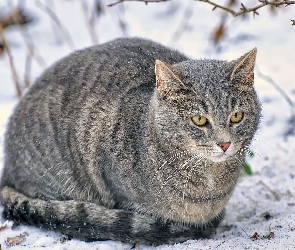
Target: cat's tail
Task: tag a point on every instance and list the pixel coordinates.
(90, 221)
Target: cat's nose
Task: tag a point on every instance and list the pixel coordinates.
(224, 145)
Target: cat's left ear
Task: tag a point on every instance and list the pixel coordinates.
(168, 83)
(243, 71)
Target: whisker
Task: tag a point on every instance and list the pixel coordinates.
(249, 151)
(255, 139)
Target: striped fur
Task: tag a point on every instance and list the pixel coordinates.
(90, 221)
(96, 150)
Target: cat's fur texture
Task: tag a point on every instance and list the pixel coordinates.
(103, 146)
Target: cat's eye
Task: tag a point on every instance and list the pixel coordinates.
(237, 117)
(199, 120)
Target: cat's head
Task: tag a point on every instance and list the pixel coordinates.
(207, 106)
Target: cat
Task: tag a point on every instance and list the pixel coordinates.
(130, 141)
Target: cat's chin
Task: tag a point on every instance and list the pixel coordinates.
(219, 158)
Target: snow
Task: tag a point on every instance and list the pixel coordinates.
(264, 202)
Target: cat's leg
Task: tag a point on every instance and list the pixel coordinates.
(90, 221)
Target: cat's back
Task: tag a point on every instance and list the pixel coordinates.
(74, 104)
(118, 64)
(102, 72)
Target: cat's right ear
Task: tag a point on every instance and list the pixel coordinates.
(242, 73)
(168, 84)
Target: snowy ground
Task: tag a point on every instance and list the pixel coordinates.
(264, 203)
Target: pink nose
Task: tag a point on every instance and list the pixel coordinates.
(224, 145)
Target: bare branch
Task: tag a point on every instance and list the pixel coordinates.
(32, 48)
(243, 8)
(12, 66)
(28, 67)
(276, 196)
(290, 130)
(144, 1)
(17, 18)
(55, 18)
(90, 22)
(182, 26)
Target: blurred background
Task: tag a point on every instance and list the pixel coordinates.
(37, 33)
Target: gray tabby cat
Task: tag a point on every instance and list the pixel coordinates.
(130, 141)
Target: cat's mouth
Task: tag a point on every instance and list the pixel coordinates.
(216, 152)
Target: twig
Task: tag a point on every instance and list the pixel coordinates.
(245, 232)
(50, 3)
(290, 130)
(144, 1)
(183, 24)
(220, 31)
(17, 19)
(54, 17)
(90, 22)
(28, 67)
(220, 244)
(11, 62)
(283, 93)
(244, 10)
(122, 23)
(270, 190)
(57, 36)
(32, 48)
(1, 52)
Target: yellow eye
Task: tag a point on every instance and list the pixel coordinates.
(237, 117)
(199, 120)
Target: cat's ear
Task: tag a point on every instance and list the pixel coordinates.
(168, 84)
(242, 73)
